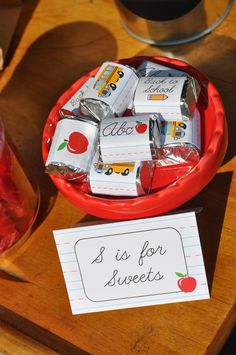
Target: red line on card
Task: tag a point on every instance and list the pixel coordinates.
(171, 113)
(167, 113)
(111, 188)
(118, 154)
(77, 299)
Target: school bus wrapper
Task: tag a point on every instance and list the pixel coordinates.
(112, 91)
(120, 178)
(181, 141)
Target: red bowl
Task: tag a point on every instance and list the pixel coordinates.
(171, 187)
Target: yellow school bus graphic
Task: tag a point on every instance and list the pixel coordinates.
(106, 82)
(118, 168)
(175, 129)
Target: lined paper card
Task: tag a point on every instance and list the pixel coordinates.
(133, 263)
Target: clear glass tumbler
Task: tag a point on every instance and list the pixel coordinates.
(19, 198)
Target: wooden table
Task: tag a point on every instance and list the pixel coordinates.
(63, 40)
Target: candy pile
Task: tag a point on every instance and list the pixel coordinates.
(124, 122)
(18, 200)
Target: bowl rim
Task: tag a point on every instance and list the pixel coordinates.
(169, 197)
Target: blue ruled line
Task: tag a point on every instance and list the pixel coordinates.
(194, 245)
(147, 301)
(121, 224)
(67, 253)
(72, 281)
(194, 236)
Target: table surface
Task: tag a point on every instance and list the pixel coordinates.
(57, 42)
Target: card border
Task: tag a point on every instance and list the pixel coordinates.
(131, 232)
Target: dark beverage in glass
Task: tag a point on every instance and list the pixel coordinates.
(160, 10)
(170, 22)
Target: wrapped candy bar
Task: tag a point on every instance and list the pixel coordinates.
(73, 147)
(111, 93)
(181, 141)
(174, 98)
(129, 138)
(74, 116)
(121, 179)
(148, 68)
(73, 103)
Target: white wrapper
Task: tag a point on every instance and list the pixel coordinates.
(120, 179)
(149, 68)
(174, 98)
(73, 147)
(73, 103)
(181, 141)
(112, 92)
(131, 138)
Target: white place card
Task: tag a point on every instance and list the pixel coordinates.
(133, 263)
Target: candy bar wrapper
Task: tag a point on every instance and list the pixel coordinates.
(112, 91)
(72, 150)
(181, 142)
(149, 68)
(72, 105)
(120, 179)
(174, 98)
(71, 115)
(131, 138)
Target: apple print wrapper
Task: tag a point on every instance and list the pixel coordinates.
(72, 149)
(181, 141)
(129, 139)
(173, 98)
(111, 93)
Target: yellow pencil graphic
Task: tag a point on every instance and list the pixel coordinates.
(159, 97)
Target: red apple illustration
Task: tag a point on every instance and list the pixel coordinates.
(140, 127)
(186, 283)
(76, 144)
